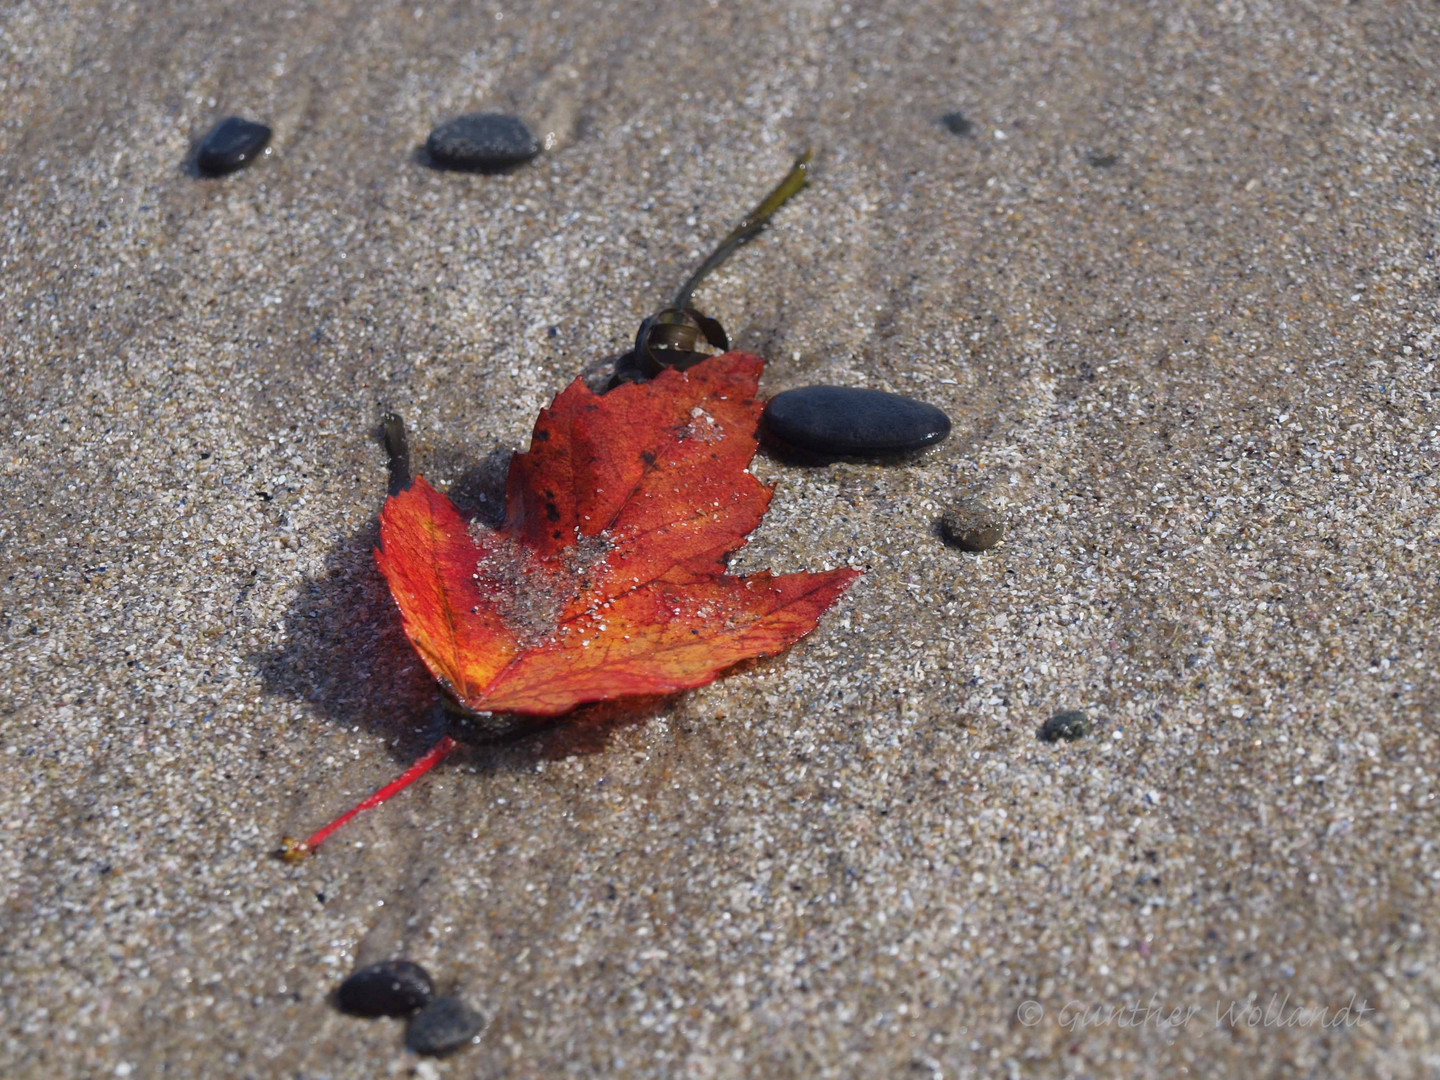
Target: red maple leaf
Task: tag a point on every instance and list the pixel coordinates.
(607, 576)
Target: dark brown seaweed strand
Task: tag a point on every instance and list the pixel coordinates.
(751, 225)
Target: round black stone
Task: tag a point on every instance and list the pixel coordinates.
(443, 1026)
(231, 144)
(481, 142)
(844, 420)
(394, 988)
(1069, 725)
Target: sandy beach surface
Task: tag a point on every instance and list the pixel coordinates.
(1177, 287)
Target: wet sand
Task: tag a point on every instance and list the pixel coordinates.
(1177, 289)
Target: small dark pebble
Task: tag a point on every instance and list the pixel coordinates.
(970, 525)
(232, 144)
(1103, 161)
(844, 420)
(1070, 725)
(445, 1025)
(481, 142)
(394, 988)
(956, 124)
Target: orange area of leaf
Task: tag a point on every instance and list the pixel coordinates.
(607, 576)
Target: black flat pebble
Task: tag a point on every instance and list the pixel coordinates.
(394, 988)
(445, 1025)
(481, 142)
(232, 144)
(844, 420)
(1070, 725)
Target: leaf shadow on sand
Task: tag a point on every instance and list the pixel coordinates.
(343, 652)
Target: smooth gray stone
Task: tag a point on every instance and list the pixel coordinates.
(443, 1026)
(481, 142)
